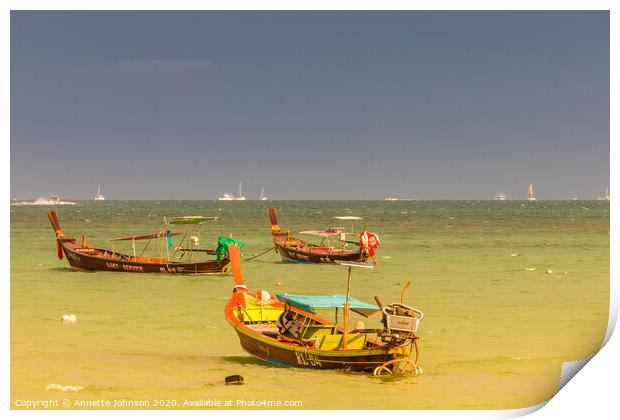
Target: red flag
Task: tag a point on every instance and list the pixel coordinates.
(59, 248)
(369, 241)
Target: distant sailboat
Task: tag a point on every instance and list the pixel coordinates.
(231, 197)
(530, 193)
(262, 196)
(606, 196)
(501, 197)
(99, 196)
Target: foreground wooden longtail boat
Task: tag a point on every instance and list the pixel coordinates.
(292, 249)
(84, 257)
(285, 330)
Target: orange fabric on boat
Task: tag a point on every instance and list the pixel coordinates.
(319, 250)
(235, 258)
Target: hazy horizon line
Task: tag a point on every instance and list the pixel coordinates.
(323, 199)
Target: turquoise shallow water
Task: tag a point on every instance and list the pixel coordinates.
(494, 333)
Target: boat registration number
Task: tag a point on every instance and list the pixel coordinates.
(307, 359)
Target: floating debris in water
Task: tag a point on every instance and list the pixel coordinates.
(279, 283)
(531, 269)
(549, 271)
(387, 257)
(514, 255)
(452, 218)
(68, 318)
(64, 388)
(234, 380)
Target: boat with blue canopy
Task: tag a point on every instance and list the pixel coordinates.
(286, 330)
(311, 303)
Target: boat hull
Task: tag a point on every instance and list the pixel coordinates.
(292, 249)
(82, 261)
(259, 338)
(296, 255)
(294, 356)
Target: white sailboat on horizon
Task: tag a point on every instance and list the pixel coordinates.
(530, 193)
(606, 196)
(232, 197)
(99, 196)
(262, 196)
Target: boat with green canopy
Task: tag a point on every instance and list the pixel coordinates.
(155, 252)
(286, 330)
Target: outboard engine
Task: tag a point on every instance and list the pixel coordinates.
(400, 323)
(289, 325)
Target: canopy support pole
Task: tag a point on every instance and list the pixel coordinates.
(345, 313)
(167, 249)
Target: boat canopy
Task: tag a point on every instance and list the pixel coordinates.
(310, 303)
(323, 232)
(160, 234)
(347, 218)
(189, 220)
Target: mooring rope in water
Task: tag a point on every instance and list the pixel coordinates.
(262, 253)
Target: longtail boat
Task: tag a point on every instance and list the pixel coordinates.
(285, 330)
(292, 249)
(180, 259)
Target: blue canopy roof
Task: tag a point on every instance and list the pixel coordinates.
(310, 303)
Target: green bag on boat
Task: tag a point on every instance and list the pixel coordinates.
(222, 246)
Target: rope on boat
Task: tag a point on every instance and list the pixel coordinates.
(262, 253)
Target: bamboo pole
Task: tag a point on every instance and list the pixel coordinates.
(345, 312)
(167, 249)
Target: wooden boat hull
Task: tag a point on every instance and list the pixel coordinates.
(297, 255)
(294, 356)
(83, 260)
(292, 249)
(271, 347)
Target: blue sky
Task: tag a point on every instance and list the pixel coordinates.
(352, 105)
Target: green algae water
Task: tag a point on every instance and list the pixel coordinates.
(509, 290)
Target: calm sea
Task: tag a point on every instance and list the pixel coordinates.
(494, 335)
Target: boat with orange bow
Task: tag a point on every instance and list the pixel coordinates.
(285, 330)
